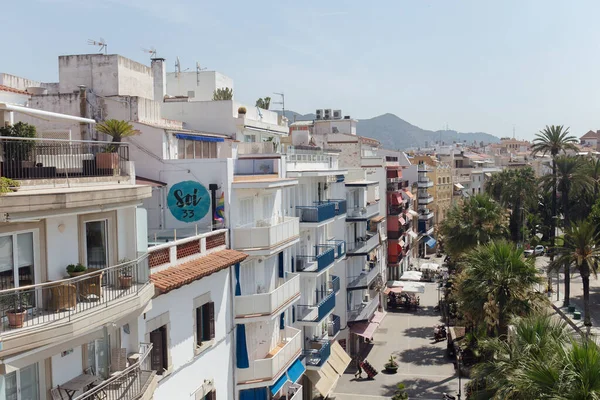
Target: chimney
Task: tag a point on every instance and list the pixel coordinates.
(159, 74)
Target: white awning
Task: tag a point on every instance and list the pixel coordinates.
(489, 175)
(413, 234)
(413, 213)
(338, 358)
(430, 266)
(458, 186)
(323, 379)
(411, 276)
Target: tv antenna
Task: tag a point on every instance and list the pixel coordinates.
(282, 102)
(151, 51)
(198, 70)
(177, 66)
(514, 129)
(102, 43)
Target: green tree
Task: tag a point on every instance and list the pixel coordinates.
(18, 150)
(553, 140)
(571, 175)
(117, 129)
(477, 220)
(534, 339)
(264, 103)
(223, 94)
(496, 282)
(513, 189)
(581, 250)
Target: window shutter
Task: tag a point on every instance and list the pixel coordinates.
(293, 314)
(211, 319)
(157, 351)
(199, 335)
(281, 264)
(282, 321)
(212, 395)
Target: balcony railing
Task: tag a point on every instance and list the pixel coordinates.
(340, 205)
(266, 233)
(364, 311)
(334, 284)
(424, 183)
(315, 313)
(256, 148)
(318, 354)
(425, 199)
(333, 325)
(363, 280)
(294, 392)
(283, 354)
(365, 245)
(339, 246)
(316, 213)
(43, 303)
(324, 258)
(128, 384)
(268, 303)
(38, 158)
(255, 167)
(363, 212)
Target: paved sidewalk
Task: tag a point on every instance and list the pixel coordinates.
(424, 367)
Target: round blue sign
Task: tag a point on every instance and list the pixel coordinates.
(188, 201)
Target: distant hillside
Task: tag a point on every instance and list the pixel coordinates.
(397, 134)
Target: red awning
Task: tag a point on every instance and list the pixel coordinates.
(396, 199)
(392, 290)
(394, 173)
(402, 221)
(365, 329)
(409, 194)
(408, 217)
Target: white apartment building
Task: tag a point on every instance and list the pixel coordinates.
(69, 331)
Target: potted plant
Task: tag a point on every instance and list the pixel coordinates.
(391, 366)
(17, 153)
(14, 305)
(400, 393)
(8, 185)
(126, 275)
(117, 129)
(242, 110)
(76, 269)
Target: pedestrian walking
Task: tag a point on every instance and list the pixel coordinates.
(359, 371)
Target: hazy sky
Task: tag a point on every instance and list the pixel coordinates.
(475, 65)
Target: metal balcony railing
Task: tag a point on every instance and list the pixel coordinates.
(63, 299)
(316, 213)
(364, 311)
(339, 247)
(340, 205)
(128, 384)
(38, 158)
(334, 284)
(324, 258)
(315, 313)
(316, 357)
(333, 325)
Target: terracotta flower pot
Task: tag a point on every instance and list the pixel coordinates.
(125, 281)
(16, 318)
(74, 274)
(107, 160)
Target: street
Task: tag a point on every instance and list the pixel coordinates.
(423, 365)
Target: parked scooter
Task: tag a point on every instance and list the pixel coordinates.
(448, 397)
(439, 332)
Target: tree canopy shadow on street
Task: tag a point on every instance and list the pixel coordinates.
(418, 387)
(424, 355)
(424, 332)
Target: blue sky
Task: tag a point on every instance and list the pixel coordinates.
(475, 65)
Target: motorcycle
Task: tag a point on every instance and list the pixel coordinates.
(448, 397)
(439, 333)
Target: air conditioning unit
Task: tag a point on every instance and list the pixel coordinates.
(327, 113)
(319, 114)
(367, 298)
(337, 114)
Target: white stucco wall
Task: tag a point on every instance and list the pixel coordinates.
(62, 247)
(13, 98)
(203, 84)
(189, 371)
(206, 116)
(67, 367)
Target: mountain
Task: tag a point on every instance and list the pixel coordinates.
(397, 134)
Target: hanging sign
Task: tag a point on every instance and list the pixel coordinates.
(188, 201)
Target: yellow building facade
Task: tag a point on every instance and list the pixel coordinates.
(441, 176)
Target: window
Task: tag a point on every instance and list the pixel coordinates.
(22, 384)
(268, 206)
(205, 323)
(159, 359)
(190, 149)
(96, 357)
(212, 395)
(16, 260)
(96, 244)
(246, 211)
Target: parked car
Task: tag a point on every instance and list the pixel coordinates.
(539, 250)
(528, 253)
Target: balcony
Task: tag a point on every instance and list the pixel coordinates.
(364, 280)
(267, 304)
(364, 245)
(255, 148)
(35, 160)
(311, 162)
(268, 234)
(78, 305)
(137, 381)
(316, 313)
(339, 246)
(275, 361)
(340, 205)
(424, 183)
(333, 326)
(316, 264)
(424, 200)
(293, 392)
(317, 213)
(259, 173)
(425, 214)
(334, 284)
(365, 311)
(363, 213)
(317, 354)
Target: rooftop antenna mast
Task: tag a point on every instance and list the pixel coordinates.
(151, 51)
(282, 102)
(198, 70)
(514, 129)
(177, 67)
(102, 43)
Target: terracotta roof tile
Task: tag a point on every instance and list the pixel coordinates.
(180, 275)
(12, 90)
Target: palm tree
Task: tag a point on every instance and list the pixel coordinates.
(223, 94)
(497, 281)
(118, 129)
(263, 103)
(571, 175)
(537, 339)
(593, 166)
(477, 220)
(553, 140)
(581, 249)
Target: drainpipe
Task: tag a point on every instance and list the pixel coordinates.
(232, 331)
(83, 111)
(213, 196)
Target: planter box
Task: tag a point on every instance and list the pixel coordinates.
(107, 160)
